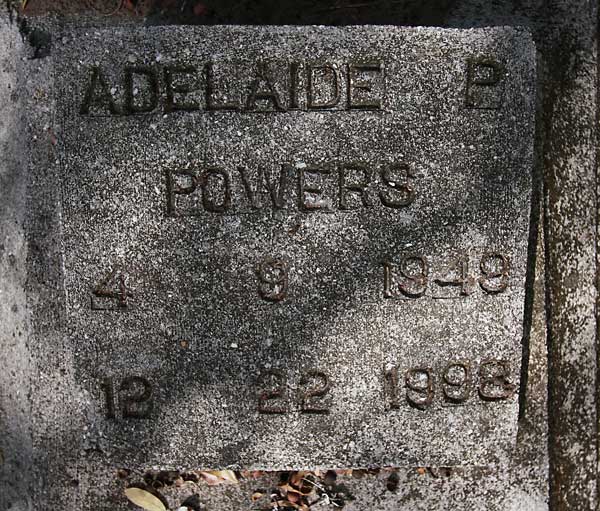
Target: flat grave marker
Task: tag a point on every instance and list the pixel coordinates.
(297, 247)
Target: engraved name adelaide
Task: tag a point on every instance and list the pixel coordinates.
(229, 86)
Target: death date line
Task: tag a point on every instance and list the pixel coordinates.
(281, 391)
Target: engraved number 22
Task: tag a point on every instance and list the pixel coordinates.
(314, 384)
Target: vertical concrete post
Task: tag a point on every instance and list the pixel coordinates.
(570, 174)
(15, 376)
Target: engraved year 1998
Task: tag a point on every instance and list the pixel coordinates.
(452, 384)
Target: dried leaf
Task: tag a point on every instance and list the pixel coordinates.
(144, 499)
(344, 472)
(215, 477)
(296, 478)
(294, 497)
(228, 475)
(210, 479)
(304, 482)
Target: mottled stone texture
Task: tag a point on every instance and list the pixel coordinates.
(15, 376)
(566, 37)
(571, 133)
(161, 199)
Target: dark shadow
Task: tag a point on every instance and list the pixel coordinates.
(302, 12)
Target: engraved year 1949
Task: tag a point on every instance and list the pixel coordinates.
(414, 275)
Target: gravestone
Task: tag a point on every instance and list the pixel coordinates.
(296, 247)
(275, 248)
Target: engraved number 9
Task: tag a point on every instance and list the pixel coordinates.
(455, 382)
(419, 387)
(415, 270)
(273, 279)
(495, 268)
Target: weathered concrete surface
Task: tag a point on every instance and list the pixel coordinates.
(141, 196)
(571, 99)
(58, 401)
(15, 375)
(552, 25)
(566, 34)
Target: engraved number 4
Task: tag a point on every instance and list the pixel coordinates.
(112, 293)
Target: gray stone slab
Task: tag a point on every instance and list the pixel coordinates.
(228, 315)
(15, 377)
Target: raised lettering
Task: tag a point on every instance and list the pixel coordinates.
(174, 187)
(308, 397)
(149, 94)
(276, 381)
(494, 383)
(356, 187)
(397, 177)
(98, 98)
(210, 193)
(360, 91)
(310, 196)
(317, 86)
(484, 84)
(112, 293)
(211, 90)
(419, 387)
(262, 88)
(273, 279)
(294, 68)
(181, 80)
